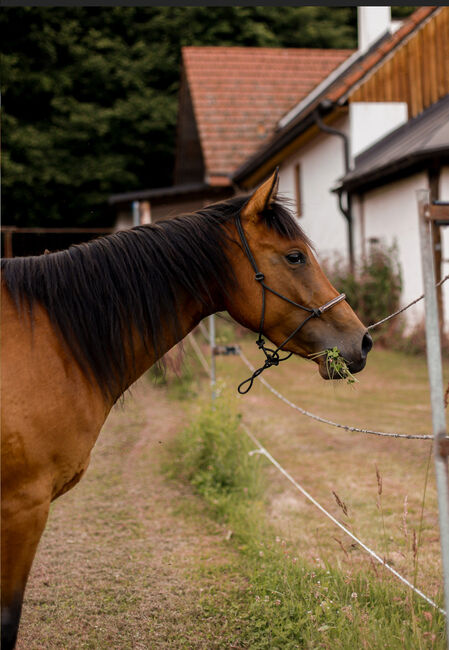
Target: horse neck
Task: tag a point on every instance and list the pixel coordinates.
(190, 313)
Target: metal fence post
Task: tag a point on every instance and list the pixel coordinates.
(435, 370)
(212, 354)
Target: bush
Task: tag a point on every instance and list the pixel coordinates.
(374, 289)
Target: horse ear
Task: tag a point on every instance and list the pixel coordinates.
(262, 197)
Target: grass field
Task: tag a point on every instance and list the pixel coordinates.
(134, 559)
(391, 395)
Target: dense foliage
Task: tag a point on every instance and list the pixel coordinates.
(90, 95)
(374, 288)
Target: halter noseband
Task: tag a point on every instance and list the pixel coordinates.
(272, 357)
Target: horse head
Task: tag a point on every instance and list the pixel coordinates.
(283, 293)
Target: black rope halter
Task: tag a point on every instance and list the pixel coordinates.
(272, 357)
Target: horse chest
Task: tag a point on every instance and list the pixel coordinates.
(51, 414)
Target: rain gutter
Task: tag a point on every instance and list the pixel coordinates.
(346, 210)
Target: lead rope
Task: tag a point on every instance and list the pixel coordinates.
(272, 357)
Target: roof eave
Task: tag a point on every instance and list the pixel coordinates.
(161, 194)
(387, 173)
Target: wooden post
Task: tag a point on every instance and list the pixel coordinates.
(7, 242)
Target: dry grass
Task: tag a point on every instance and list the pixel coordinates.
(114, 568)
(391, 395)
(128, 558)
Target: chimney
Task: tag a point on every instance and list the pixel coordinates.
(372, 22)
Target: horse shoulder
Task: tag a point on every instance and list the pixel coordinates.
(51, 414)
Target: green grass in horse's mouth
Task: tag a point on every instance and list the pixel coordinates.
(336, 365)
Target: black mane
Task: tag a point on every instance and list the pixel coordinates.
(97, 293)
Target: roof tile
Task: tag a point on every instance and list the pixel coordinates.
(240, 93)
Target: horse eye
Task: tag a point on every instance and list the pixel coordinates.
(295, 257)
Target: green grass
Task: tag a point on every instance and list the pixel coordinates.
(290, 603)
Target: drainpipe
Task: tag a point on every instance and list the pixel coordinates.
(346, 210)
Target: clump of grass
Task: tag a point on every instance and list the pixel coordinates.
(213, 455)
(179, 378)
(336, 364)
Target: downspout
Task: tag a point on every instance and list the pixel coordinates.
(346, 210)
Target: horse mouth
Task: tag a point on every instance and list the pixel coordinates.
(329, 372)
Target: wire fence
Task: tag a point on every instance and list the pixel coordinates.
(260, 449)
(410, 304)
(313, 416)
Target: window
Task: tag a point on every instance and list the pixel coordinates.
(298, 196)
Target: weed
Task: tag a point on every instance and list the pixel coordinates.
(179, 377)
(212, 453)
(381, 510)
(336, 364)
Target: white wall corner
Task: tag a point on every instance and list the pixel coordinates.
(372, 23)
(371, 121)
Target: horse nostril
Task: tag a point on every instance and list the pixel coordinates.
(367, 344)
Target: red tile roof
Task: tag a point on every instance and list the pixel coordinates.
(240, 93)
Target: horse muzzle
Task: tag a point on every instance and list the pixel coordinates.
(355, 359)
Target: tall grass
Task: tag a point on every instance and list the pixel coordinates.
(213, 455)
(290, 603)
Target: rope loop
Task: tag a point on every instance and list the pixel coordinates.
(272, 359)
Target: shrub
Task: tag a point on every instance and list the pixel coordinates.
(374, 289)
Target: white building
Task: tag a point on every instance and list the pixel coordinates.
(367, 130)
(353, 152)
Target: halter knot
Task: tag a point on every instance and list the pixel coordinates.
(316, 311)
(272, 360)
(259, 276)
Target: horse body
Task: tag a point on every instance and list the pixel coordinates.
(63, 367)
(51, 419)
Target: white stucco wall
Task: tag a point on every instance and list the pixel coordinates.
(391, 214)
(372, 121)
(322, 163)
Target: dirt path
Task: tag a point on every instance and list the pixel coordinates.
(128, 558)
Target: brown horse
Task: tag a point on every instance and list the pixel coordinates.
(80, 326)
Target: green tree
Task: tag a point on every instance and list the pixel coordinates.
(90, 95)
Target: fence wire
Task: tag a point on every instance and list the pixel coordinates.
(396, 313)
(313, 416)
(260, 449)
